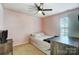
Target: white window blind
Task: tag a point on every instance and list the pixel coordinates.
(64, 26)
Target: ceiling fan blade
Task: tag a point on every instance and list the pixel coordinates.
(36, 12)
(41, 4)
(36, 5)
(43, 13)
(47, 9)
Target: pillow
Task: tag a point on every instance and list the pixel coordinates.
(41, 33)
(37, 34)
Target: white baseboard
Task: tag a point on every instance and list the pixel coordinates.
(19, 43)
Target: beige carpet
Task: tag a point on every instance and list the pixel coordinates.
(26, 49)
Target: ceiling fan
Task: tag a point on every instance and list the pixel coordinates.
(40, 8)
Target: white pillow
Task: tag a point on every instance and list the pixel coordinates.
(37, 34)
(41, 33)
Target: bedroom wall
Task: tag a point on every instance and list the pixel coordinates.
(1, 17)
(20, 26)
(51, 24)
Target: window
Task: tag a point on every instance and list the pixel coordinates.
(64, 26)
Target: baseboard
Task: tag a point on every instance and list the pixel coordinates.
(20, 44)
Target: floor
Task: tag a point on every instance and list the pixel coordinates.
(26, 49)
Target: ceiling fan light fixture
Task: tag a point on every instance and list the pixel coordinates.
(40, 12)
(40, 8)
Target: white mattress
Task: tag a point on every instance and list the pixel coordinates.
(42, 37)
(42, 45)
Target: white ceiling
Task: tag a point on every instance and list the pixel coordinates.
(31, 9)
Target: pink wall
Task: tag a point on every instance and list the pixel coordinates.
(51, 24)
(1, 17)
(20, 26)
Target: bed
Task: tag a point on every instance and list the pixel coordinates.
(37, 39)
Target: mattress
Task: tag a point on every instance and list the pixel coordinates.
(40, 41)
(41, 44)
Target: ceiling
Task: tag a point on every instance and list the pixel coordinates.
(30, 8)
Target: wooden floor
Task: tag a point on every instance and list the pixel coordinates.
(26, 49)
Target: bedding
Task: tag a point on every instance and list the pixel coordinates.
(49, 39)
(40, 36)
(37, 40)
